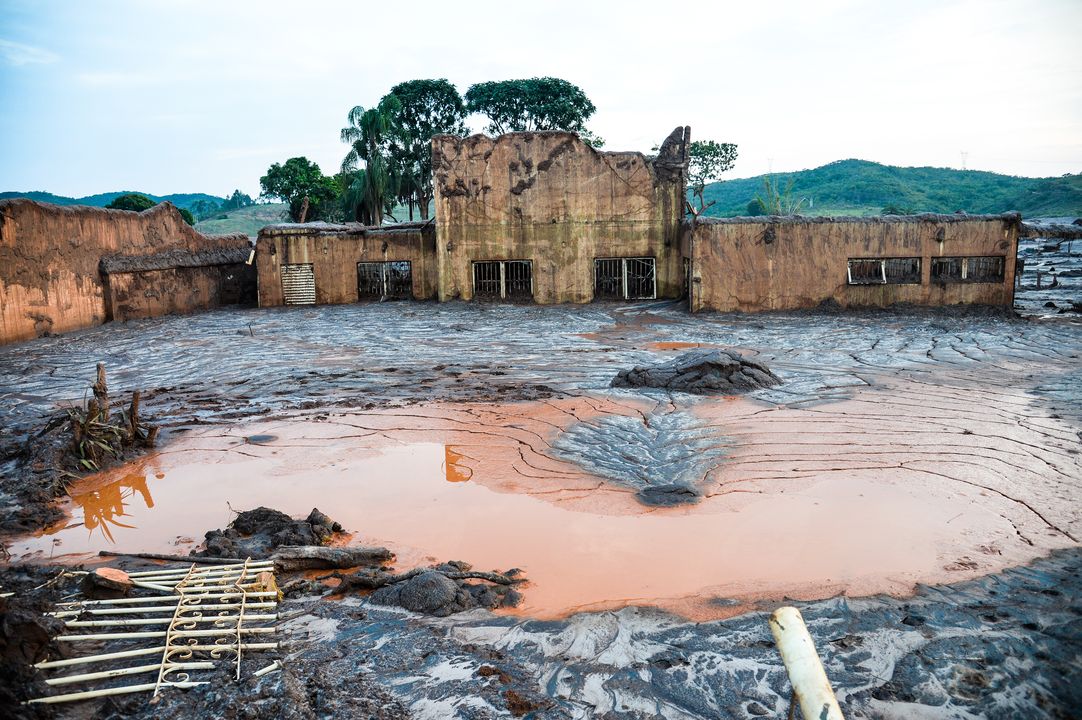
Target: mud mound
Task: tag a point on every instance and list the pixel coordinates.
(442, 591)
(256, 533)
(703, 371)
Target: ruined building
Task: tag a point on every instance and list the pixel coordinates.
(543, 217)
(525, 217)
(66, 268)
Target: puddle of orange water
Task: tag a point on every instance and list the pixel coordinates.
(403, 486)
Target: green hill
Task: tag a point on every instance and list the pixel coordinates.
(247, 220)
(181, 200)
(859, 187)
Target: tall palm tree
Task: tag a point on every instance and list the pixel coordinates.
(370, 135)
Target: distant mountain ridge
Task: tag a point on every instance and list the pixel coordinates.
(181, 200)
(861, 187)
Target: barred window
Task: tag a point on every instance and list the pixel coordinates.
(979, 269)
(884, 271)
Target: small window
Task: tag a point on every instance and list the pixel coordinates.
(384, 280)
(299, 284)
(884, 271)
(503, 280)
(625, 279)
(968, 269)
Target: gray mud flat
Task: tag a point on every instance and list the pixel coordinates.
(1005, 646)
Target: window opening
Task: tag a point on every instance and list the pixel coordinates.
(503, 279)
(625, 279)
(391, 280)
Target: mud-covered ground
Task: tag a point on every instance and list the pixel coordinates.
(961, 407)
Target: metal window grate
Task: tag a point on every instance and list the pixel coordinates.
(985, 269)
(625, 279)
(884, 271)
(902, 271)
(639, 279)
(947, 269)
(990, 269)
(299, 284)
(486, 280)
(503, 279)
(518, 280)
(391, 280)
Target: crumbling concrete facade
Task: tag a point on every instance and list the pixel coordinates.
(552, 205)
(331, 264)
(52, 278)
(785, 263)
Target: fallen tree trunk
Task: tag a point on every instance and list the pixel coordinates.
(318, 557)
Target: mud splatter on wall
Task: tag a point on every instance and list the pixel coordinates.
(50, 262)
(551, 199)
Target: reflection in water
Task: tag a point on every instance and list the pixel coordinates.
(104, 505)
(453, 467)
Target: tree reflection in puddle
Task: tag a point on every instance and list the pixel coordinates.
(103, 506)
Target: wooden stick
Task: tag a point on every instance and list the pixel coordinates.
(173, 558)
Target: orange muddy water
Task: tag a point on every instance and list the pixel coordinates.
(804, 505)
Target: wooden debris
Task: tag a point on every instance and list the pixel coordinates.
(106, 583)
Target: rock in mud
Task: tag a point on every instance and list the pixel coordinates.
(703, 371)
(256, 533)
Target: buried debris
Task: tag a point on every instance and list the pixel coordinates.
(97, 435)
(186, 622)
(702, 371)
(259, 532)
(440, 590)
(315, 557)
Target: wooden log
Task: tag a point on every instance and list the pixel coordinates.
(316, 557)
(101, 393)
(106, 583)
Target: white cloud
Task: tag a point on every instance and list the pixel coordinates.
(14, 53)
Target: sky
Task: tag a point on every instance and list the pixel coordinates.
(166, 96)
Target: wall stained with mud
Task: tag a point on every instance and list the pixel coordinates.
(50, 276)
(750, 265)
(334, 251)
(550, 198)
(178, 290)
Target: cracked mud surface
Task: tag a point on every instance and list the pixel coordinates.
(902, 447)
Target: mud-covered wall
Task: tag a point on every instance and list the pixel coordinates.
(550, 198)
(176, 290)
(50, 279)
(753, 264)
(335, 250)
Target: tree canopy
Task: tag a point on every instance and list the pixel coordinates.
(425, 108)
(133, 202)
(300, 183)
(533, 104)
(707, 161)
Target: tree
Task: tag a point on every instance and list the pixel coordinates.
(236, 201)
(372, 190)
(133, 202)
(300, 183)
(536, 104)
(707, 161)
(187, 215)
(425, 108)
